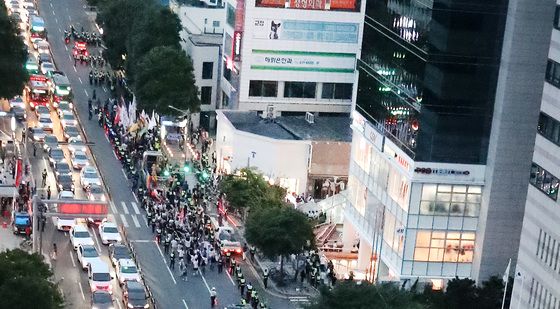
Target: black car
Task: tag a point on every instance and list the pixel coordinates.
(19, 113)
(62, 168)
(102, 300)
(55, 155)
(134, 295)
(65, 183)
(117, 252)
(37, 134)
(50, 142)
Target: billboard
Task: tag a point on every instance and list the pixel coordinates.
(287, 60)
(302, 30)
(236, 49)
(332, 5)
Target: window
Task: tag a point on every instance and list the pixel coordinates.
(225, 100)
(549, 128)
(553, 73)
(450, 200)
(557, 18)
(299, 90)
(207, 70)
(230, 15)
(544, 181)
(263, 88)
(540, 297)
(227, 72)
(205, 95)
(548, 250)
(444, 246)
(216, 24)
(337, 91)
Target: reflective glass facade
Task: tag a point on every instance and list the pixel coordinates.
(428, 75)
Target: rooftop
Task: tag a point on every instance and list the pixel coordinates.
(206, 39)
(325, 128)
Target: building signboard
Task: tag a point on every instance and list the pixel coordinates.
(441, 171)
(236, 48)
(374, 136)
(332, 5)
(285, 60)
(303, 30)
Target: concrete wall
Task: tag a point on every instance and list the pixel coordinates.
(519, 90)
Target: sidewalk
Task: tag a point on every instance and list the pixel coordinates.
(8, 241)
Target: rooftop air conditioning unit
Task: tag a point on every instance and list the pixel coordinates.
(309, 117)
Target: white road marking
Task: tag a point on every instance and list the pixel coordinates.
(135, 197)
(135, 207)
(96, 239)
(203, 279)
(86, 93)
(74, 67)
(51, 5)
(167, 266)
(70, 57)
(56, 21)
(185, 303)
(79, 78)
(72, 257)
(113, 208)
(66, 46)
(135, 220)
(123, 172)
(81, 290)
(230, 279)
(125, 208)
(123, 219)
(142, 240)
(60, 31)
(146, 221)
(53, 13)
(69, 18)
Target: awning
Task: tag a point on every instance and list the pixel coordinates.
(8, 191)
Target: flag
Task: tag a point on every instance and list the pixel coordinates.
(118, 115)
(506, 273)
(132, 110)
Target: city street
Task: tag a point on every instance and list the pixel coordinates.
(168, 289)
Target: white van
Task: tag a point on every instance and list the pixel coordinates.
(100, 278)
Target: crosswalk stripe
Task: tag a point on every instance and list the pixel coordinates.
(136, 223)
(113, 208)
(125, 208)
(123, 219)
(136, 210)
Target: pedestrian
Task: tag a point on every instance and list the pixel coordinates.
(265, 278)
(48, 192)
(172, 260)
(44, 175)
(94, 95)
(244, 253)
(220, 264)
(43, 222)
(34, 149)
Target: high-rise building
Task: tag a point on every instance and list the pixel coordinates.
(537, 274)
(441, 135)
(291, 56)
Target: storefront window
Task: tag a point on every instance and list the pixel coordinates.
(362, 152)
(393, 233)
(450, 200)
(358, 194)
(441, 246)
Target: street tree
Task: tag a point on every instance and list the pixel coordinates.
(13, 55)
(349, 294)
(117, 18)
(279, 232)
(24, 282)
(461, 293)
(155, 27)
(164, 77)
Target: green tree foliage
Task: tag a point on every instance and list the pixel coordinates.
(278, 231)
(24, 282)
(165, 77)
(461, 294)
(249, 190)
(13, 55)
(351, 295)
(157, 27)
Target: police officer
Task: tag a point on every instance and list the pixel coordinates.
(254, 299)
(172, 260)
(241, 286)
(249, 291)
(232, 266)
(91, 77)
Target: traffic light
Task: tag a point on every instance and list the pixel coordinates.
(187, 168)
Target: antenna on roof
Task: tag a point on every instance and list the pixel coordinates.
(309, 117)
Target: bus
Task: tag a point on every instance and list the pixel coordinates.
(38, 91)
(37, 27)
(60, 88)
(31, 65)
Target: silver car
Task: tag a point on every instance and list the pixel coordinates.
(79, 160)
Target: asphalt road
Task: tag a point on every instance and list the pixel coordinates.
(168, 289)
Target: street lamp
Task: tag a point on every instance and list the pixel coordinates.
(13, 124)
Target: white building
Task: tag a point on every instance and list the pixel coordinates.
(202, 38)
(289, 151)
(537, 275)
(291, 56)
(440, 151)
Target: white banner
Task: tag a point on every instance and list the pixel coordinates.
(303, 61)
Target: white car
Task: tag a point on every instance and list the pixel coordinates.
(47, 67)
(89, 176)
(42, 111)
(35, 42)
(76, 144)
(17, 102)
(68, 120)
(79, 160)
(127, 270)
(79, 235)
(109, 232)
(87, 254)
(95, 193)
(45, 123)
(43, 47)
(65, 107)
(66, 195)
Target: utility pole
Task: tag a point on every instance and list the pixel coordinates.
(35, 222)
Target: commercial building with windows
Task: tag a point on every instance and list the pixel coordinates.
(291, 56)
(442, 136)
(201, 38)
(537, 275)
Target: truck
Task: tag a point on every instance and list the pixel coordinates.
(228, 239)
(37, 91)
(93, 213)
(37, 27)
(21, 221)
(61, 88)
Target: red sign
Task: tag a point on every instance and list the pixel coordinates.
(271, 3)
(236, 48)
(343, 5)
(308, 4)
(83, 209)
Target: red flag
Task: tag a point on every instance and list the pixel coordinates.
(19, 172)
(118, 115)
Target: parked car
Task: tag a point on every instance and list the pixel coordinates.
(87, 254)
(37, 134)
(71, 131)
(118, 252)
(76, 144)
(95, 193)
(55, 155)
(102, 300)
(79, 235)
(109, 232)
(79, 160)
(134, 295)
(89, 176)
(50, 142)
(46, 123)
(65, 183)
